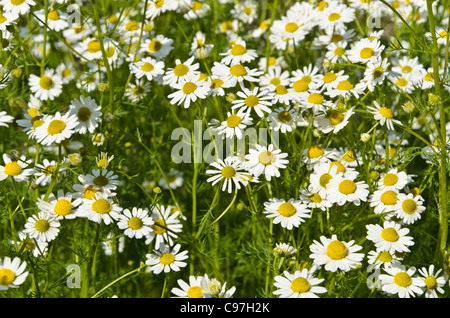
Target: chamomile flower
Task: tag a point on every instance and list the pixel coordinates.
(315, 101)
(101, 179)
(16, 168)
(378, 259)
(158, 46)
(189, 90)
(19, 7)
(199, 48)
(331, 79)
(390, 237)
(61, 206)
(44, 172)
(166, 259)
(56, 20)
(401, 281)
(334, 17)
(196, 10)
(393, 179)
(5, 119)
(376, 72)
(346, 89)
(174, 179)
(7, 19)
(283, 119)
(165, 227)
(433, 282)
(56, 128)
(283, 95)
(316, 153)
(234, 74)
(384, 201)
(273, 77)
(291, 27)
(157, 7)
(384, 115)
(284, 250)
(148, 67)
(192, 289)
(365, 51)
(403, 84)
(337, 52)
(42, 227)
(235, 124)
(255, 99)
(213, 288)
(409, 207)
(333, 121)
(314, 200)
(305, 79)
(231, 170)
(46, 87)
(136, 223)
(12, 273)
(238, 54)
(87, 112)
(300, 284)
(266, 160)
(66, 71)
(99, 208)
(35, 247)
(288, 214)
(137, 91)
(336, 254)
(181, 71)
(344, 188)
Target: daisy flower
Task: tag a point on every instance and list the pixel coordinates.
(317, 154)
(409, 207)
(174, 179)
(384, 115)
(284, 250)
(300, 284)
(378, 259)
(403, 84)
(199, 48)
(56, 128)
(16, 168)
(314, 200)
(315, 101)
(158, 47)
(433, 282)
(401, 281)
(250, 100)
(37, 248)
(87, 112)
(192, 289)
(283, 119)
(66, 71)
(273, 77)
(235, 124)
(19, 7)
(231, 171)
(136, 223)
(101, 179)
(166, 259)
(376, 72)
(343, 189)
(188, 90)
(156, 7)
(236, 73)
(346, 89)
(100, 208)
(165, 227)
(390, 237)
(335, 254)
(44, 172)
(330, 79)
(283, 95)
(238, 54)
(181, 71)
(56, 20)
(137, 91)
(320, 178)
(212, 288)
(47, 86)
(266, 160)
(12, 273)
(5, 119)
(337, 52)
(334, 17)
(291, 27)
(7, 19)
(305, 79)
(196, 10)
(61, 206)
(333, 120)
(365, 50)
(288, 213)
(393, 179)
(148, 67)
(384, 201)
(42, 227)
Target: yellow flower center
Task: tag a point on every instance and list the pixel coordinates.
(377, 72)
(284, 116)
(344, 86)
(402, 279)
(315, 197)
(53, 15)
(238, 70)
(228, 172)
(300, 86)
(291, 27)
(167, 259)
(367, 53)
(159, 3)
(93, 46)
(180, 70)
(281, 90)
(84, 114)
(196, 6)
(251, 101)
(349, 156)
(135, 223)
(300, 285)
(55, 127)
(336, 250)
(17, 2)
(334, 16)
(407, 69)
(101, 181)
(216, 83)
(429, 77)
(431, 282)
(286, 209)
(389, 197)
(194, 292)
(315, 99)
(63, 207)
(2, 18)
(154, 46)
(340, 166)
(339, 51)
(325, 179)
(101, 206)
(336, 38)
(322, 5)
(275, 81)
(266, 157)
(189, 87)
(89, 192)
(132, 26)
(7, 276)
(13, 169)
(315, 152)
(336, 118)
(46, 82)
(329, 77)
(33, 112)
(402, 82)
(389, 234)
(390, 179)
(347, 187)
(42, 226)
(385, 257)
(386, 112)
(233, 121)
(409, 206)
(238, 50)
(157, 228)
